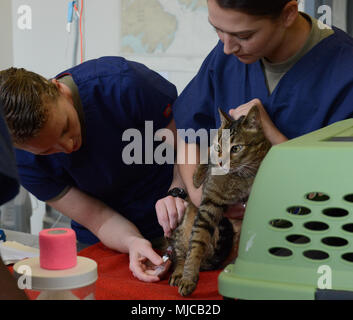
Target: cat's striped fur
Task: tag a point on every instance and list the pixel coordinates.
(204, 239)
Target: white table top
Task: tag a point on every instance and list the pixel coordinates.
(27, 239)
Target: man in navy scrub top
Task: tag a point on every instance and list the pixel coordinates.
(296, 69)
(68, 134)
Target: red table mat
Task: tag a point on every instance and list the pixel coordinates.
(116, 282)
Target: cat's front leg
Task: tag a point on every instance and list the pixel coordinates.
(200, 175)
(188, 283)
(201, 235)
(178, 262)
(177, 274)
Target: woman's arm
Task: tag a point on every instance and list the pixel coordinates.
(188, 158)
(170, 210)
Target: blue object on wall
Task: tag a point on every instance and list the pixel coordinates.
(2, 235)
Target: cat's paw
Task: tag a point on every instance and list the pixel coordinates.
(175, 278)
(186, 287)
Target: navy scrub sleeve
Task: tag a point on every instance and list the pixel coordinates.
(194, 108)
(9, 186)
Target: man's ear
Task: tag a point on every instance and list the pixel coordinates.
(289, 13)
(58, 84)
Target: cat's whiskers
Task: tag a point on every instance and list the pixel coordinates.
(247, 170)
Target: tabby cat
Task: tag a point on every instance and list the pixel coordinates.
(204, 239)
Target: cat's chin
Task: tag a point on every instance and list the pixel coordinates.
(220, 170)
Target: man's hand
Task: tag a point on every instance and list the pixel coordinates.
(140, 251)
(170, 211)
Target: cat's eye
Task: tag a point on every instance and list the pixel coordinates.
(236, 148)
(217, 147)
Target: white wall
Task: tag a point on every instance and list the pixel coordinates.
(102, 26)
(339, 9)
(6, 52)
(48, 49)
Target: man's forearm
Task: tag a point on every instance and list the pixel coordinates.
(118, 233)
(114, 230)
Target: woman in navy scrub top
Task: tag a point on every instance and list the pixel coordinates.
(296, 69)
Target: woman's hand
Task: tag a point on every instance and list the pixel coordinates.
(270, 130)
(243, 110)
(170, 211)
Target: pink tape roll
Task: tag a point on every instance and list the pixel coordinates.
(57, 249)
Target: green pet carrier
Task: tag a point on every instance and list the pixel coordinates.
(297, 234)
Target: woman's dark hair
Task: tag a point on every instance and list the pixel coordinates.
(272, 8)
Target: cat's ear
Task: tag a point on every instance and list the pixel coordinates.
(225, 118)
(252, 121)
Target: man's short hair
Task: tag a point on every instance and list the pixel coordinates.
(25, 96)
